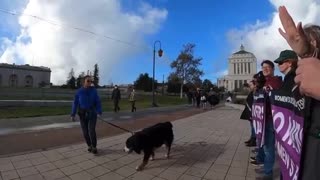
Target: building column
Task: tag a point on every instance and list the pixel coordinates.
(233, 85)
(247, 68)
(242, 68)
(238, 68)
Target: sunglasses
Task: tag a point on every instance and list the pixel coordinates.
(280, 63)
(89, 81)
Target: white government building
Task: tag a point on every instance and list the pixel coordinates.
(242, 66)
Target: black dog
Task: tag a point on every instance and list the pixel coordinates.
(213, 100)
(148, 140)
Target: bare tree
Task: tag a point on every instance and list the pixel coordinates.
(186, 66)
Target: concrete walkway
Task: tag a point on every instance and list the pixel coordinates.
(29, 124)
(207, 146)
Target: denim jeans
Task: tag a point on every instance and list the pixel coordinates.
(88, 121)
(266, 153)
(269, 148)
(260, 155)
(253, 133)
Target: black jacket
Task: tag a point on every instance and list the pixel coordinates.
(247, 112)
(116, 96)
(311, 145)
(288, 82)
(310, 161)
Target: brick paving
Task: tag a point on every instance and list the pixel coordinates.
(207, 146)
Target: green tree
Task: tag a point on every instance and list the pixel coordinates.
(207, 84)
(174, 83)
(144, 82)
(186, 66)
(221, 89)
(80, 79)
(71, 82)
(96, 76)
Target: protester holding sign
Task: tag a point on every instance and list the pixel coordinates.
(287, 119)
(306, 43)
(257, 117)
(247, 114)
(287, 63)
(258, 120)
(263, 103)
(272, 82)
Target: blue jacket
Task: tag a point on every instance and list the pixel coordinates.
(86, 98)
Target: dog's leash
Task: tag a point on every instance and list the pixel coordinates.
(116, 126)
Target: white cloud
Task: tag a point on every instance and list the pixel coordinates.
(220, 73)
(63, 48)
(263, 38)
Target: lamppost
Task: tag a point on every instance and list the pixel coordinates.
(154, 59)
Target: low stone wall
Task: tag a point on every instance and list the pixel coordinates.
(56, 93)
(34, 103)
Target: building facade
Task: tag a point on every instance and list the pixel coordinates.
(12, 75)
(242, 65)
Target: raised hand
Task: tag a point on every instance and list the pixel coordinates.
(293, 34)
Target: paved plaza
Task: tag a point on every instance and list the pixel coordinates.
(207, 146)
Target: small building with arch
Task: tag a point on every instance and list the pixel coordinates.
(12, 75)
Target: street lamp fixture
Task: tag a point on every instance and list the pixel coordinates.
(160, 52)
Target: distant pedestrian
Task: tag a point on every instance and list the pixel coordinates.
(198, 97)
(189, 95)
(203, 99)
(116, 96)
(88, 105)
(247, 112)
(213, 98)
(194, 98)
(132, 99)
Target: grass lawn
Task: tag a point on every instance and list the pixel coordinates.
(142, 102)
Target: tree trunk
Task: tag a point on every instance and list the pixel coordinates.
(181, 90)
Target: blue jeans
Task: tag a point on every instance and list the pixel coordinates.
(266, 154)
(253, 133)
(269, 148)
(260, 155)
(88, 121)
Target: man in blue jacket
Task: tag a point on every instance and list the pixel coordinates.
(88, 105)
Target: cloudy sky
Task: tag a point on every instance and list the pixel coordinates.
(119, 35)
